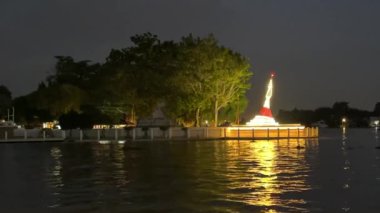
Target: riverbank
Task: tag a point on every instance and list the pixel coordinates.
(159, 133)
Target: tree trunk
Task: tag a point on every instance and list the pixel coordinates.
(216, 113)
(133, 117)
(237, 121)
(197, 123)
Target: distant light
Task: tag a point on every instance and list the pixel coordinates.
(376, 122)
(344, 120)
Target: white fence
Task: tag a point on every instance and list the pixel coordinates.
(154, 133)
(20, 134)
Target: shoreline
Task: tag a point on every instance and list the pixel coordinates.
(161, 134)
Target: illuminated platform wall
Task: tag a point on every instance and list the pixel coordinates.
(178, 133)
(272, 132)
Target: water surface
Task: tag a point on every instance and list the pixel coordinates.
(339, 172)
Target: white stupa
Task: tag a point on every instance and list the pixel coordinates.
(265, 118)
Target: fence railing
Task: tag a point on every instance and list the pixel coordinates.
(157, 133)
(19, 135)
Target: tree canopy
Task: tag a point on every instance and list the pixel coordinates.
(208, 78)
(193, 79)
(5, 101)
(332, 116)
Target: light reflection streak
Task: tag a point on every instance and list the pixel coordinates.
(346, 168)
(56, 155)
(101, 167)
(266, 155)
(114, 156)
(55, 175)
(274, 168)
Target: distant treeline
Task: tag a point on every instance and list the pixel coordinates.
(332, 116)
(192, 80)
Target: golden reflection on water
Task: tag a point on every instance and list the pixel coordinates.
(113, 154)
(266, 174)
(273, 168)
(56, 171)
(96, 165)
(55, 175)
(266, 154)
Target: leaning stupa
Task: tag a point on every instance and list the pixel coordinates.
(265, 117)
(263, 125)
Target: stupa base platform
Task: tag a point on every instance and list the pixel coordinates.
(271, 132)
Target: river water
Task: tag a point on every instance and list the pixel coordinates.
(339, 172)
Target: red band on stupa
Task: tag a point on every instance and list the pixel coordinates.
(266, 112)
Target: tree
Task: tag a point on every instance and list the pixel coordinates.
(234, 109)
(208, 73)
(325, 114)
(132, 81)
(340, 110)
(189, 95)
(5, 100)
(341, 107)
(58, 99)
(28, 113)
(231, 80)
(193, 78)
(376, 110)
(68, 71)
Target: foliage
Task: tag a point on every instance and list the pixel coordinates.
(233, 110)
(5, 100)
(208, 77)
(376, 110)
(332, 116)
(296, 116)
(132, 79)
(194, 78)
(68, 71)
(58, 99)
(28, 114)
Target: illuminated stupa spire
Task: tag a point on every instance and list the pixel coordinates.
(265, 110)
(265, 118)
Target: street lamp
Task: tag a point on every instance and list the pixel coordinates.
(344, 122)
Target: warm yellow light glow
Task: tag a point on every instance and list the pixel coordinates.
(260, 120)
(104, 142)
(51, 125)
(107, 126)
(296, 126)
(282, 131)
(264, 180)
(266, 154)
(265, 119)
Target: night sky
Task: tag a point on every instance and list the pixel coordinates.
(322, 51)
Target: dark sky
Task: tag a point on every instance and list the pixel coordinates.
(322, 51)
